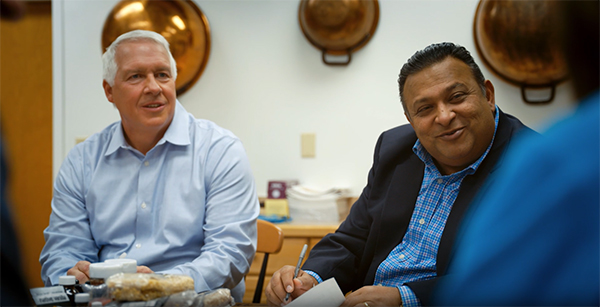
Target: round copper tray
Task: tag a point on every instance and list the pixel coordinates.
(338, 27)
(181, 22)
(515, 40)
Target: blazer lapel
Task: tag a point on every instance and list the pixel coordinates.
(396, 214)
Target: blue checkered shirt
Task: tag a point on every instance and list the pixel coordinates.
(415, 257)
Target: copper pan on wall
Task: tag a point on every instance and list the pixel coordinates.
(339, 27)
(515, 40)
(181, 22)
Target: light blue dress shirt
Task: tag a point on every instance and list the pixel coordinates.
(189, 206)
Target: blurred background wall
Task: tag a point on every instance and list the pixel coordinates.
(267, 84)
(264, 81)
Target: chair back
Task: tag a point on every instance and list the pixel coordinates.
(270, 241)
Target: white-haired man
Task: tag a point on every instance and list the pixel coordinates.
(159, 186)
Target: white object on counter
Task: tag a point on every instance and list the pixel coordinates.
(317, 206)
(127, 265)
(103, 270)
(66, 280)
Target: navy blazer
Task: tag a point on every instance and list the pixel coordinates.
(379, 218)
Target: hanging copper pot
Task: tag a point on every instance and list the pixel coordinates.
(516, 41)
(182, 24)
(339, 27)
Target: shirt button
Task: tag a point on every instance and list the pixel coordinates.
(146, 163)
(422, 221)
(440, 180)
(123, 255)
(143, 205)
(401, 256)
(138, 245)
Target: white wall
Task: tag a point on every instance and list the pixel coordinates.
(267, 84)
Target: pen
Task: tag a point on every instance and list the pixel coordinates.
(302, 253)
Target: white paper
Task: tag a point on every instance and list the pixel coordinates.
(325, 294)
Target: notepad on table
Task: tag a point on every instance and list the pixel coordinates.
(325, 294)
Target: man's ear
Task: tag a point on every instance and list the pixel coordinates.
(489, 94)
(107, 91)
(407, 117)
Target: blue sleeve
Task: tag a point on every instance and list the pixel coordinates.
(68, 235)
(409, 299)
(315, 275)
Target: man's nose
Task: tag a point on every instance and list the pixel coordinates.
(152, 87)
(445, 115)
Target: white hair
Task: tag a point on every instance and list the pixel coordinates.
(109, 65)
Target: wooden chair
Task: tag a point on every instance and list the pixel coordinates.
(270, 240)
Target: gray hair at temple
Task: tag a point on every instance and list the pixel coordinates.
(434, 54)
(109, 65)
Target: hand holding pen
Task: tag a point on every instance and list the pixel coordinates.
(289, 282)
(302, 254)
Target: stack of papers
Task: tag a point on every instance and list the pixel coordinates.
(317, 206)
(315, 194)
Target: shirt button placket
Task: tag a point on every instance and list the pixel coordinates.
(143, 220)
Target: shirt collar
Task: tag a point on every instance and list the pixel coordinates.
(177, 133)
(420, 151)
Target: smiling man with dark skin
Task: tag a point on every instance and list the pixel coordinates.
(452, 116)
(394, 245)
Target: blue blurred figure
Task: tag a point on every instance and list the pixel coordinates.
(14, 290)
(532, 237)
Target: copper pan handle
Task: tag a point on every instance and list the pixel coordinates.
(348, 53)
(542, 101)
(348, 59)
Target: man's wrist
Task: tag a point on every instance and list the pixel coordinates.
(408, 297)
(399, 295)
(314, 275)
